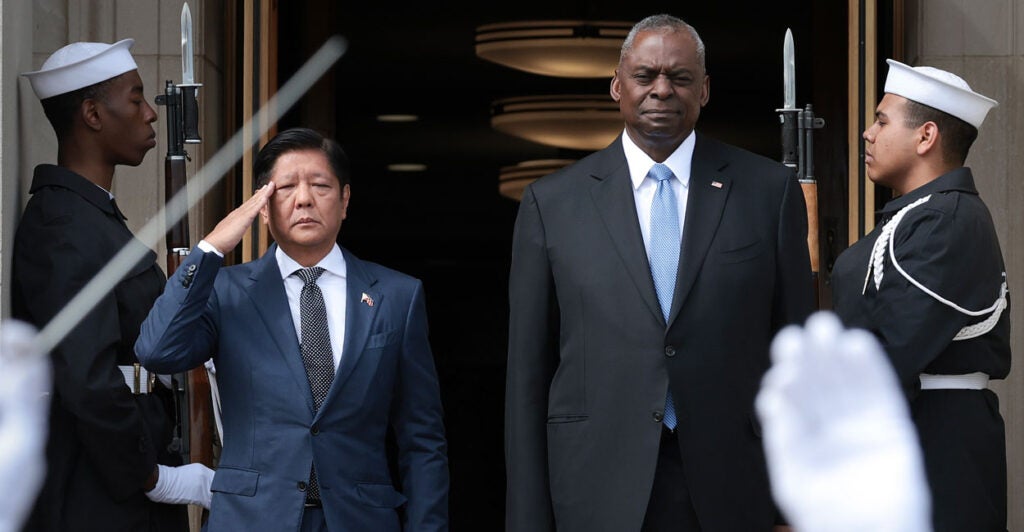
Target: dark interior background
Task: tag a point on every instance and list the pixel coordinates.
(450, 227)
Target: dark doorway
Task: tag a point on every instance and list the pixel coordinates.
(449, 226)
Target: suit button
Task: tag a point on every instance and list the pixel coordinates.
(315, 429)
(658, 416)
(191, 267)
(670, 351)
(302, 486)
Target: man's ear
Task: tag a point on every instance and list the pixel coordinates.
(614, 88)
(90, 114)
(927, 138)
(346, 194)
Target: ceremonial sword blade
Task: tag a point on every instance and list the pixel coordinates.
(187, 67)
(789, 72)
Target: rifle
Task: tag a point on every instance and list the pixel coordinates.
(798, 126)
(193, 429)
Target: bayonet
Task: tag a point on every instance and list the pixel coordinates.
(788, 113)
(789, 72)
(187, 57)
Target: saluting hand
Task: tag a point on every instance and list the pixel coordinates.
(230, 230)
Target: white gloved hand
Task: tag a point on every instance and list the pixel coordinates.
(25, 377)
(187, 484)
(842, 451)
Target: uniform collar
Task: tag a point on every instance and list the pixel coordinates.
(957, 180)
(49, 175)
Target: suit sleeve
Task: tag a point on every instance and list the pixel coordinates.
(108, 421)
(180, 332)
(532, 356)
(418, 423)
(794, 294)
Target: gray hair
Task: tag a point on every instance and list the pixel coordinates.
(663, 23)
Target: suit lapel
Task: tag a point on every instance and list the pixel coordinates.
(359, 317)
(271, 302)
(708, 191)
(613, 199)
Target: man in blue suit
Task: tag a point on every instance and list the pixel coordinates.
(318, 355)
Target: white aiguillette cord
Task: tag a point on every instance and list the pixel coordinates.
(178, 206)
(876, 264)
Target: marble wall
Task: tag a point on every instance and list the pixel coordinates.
(983, 42)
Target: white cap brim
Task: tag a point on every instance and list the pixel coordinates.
(939, 89)
(81, 64)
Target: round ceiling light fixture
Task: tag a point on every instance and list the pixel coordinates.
(560, 48)
(574, 121)
(512, 180)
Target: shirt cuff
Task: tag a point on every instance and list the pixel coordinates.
(207, 247)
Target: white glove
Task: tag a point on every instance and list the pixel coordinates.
(187, 484)
(842, 451)
(25, 377)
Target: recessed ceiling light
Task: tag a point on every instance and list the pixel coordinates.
(407, 167)
(397, 118)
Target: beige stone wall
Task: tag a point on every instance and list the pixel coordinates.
(155, 26)
(983, 41)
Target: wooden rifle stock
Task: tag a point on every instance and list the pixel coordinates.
(798, 127)
(199, 405)
(810, 189)
(806, 124)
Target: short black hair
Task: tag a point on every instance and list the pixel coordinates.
(664, 23)
(956, 135)
(298, 139)
(60, 109)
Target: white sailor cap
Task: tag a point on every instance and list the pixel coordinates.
(939, 89)
(81, 64)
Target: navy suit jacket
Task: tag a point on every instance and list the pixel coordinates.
(591, 356)
(239, 316)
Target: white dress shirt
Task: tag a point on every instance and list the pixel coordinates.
(643, 187)
(334, 285)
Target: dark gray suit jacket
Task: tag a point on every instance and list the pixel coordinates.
(591, 357)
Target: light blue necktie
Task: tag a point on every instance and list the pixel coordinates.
(664, 254)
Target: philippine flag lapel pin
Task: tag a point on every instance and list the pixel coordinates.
(716, 184)
(366, 299)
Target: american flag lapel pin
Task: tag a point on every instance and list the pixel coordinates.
(366, 299)
(716, 184)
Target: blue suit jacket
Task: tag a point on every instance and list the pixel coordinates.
(239, 316)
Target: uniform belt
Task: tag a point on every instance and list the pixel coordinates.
(137, 379)
(970, 381)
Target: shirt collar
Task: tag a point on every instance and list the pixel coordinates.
(640, 163)
(333, 263)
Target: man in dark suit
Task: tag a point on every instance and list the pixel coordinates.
(110, 421)
(647, 282)
(318, 355)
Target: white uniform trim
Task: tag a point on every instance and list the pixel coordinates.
(877, 263)
(970, 381)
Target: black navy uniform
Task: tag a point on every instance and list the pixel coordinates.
(104, 441)
(944, 241)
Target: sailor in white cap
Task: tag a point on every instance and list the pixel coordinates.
(929, 281)
(111, 423)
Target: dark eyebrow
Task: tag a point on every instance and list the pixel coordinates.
(881, 114)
